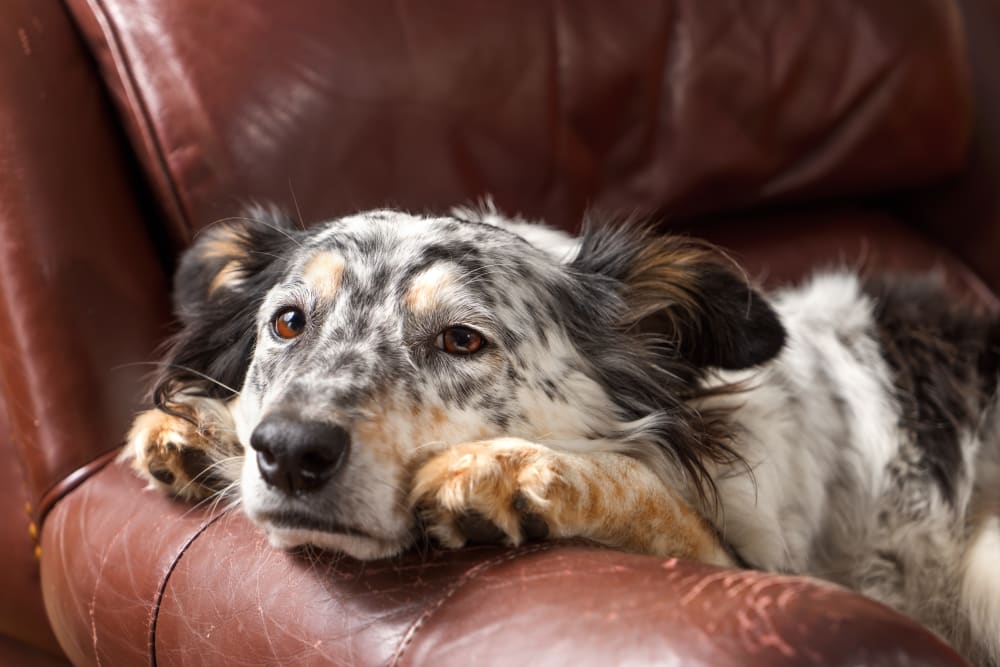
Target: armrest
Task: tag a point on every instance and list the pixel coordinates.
(124, 580)
(82, 292)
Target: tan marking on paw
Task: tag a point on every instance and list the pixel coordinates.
(609, 498)
(167, 451)
(504, 481)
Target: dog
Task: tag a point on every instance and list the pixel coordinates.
(474, 377)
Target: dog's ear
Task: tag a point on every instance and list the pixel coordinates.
(685, 292)
(219, 285)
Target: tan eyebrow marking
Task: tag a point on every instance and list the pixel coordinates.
(323, 273)
(426, 287)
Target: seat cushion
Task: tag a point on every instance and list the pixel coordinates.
(155, 581)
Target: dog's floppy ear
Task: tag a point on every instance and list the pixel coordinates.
(686, 292)
(218, 288)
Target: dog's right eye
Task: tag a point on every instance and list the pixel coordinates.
(288, 323)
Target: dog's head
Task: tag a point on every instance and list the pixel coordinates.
(364, 345)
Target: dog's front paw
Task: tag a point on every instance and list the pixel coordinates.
(497, 491)
(174, 454)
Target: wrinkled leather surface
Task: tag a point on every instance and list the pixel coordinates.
(677, 106)
(105, 562)
(674, 106)
(81, 292)
(231, 599)
(780, 249)
(19, 654)
(121, 577)
(965, 211)
(19, 575)
(602, 608)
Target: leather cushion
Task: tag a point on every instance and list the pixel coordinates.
(675, 106)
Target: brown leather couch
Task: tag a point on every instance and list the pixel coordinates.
(796, 132)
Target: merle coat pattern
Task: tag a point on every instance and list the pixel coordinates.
(475, 377)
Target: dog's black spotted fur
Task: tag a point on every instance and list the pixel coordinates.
(945, 358)
(867, 410)
(211, 352)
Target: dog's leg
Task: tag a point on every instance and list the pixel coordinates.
(191, 459)
(525, 490)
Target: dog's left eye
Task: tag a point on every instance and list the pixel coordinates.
(460, 340)
(288, 323)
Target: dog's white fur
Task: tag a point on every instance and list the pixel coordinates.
(791, 517)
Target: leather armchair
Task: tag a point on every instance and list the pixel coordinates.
(795, 133)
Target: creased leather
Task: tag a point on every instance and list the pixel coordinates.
(107, 554)
(964, 212)
(779, 249)
(676, 106)
(82, 294)
(229, 598)
(18, 654)
(595, 607)
(22, 614)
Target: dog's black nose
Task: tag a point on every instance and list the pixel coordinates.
(296, 455)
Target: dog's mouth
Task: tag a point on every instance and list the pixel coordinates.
(290, 530)
(301, 521)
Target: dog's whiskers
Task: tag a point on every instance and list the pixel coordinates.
(295, 200)
(257, 221)
(187, 369)
(227, 492)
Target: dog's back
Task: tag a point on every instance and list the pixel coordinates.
(874, 446)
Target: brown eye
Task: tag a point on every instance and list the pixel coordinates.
(460, 340)
(288, 323)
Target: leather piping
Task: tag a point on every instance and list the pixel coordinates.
(466, 577)
(130, 86)
(166, 579)
(70, 482)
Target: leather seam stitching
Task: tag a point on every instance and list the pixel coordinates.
(144, 117)
(161, 590)
(70, 482)
(466, 577)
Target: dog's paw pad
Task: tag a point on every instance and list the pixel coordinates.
(477, 529)
(533, 525)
